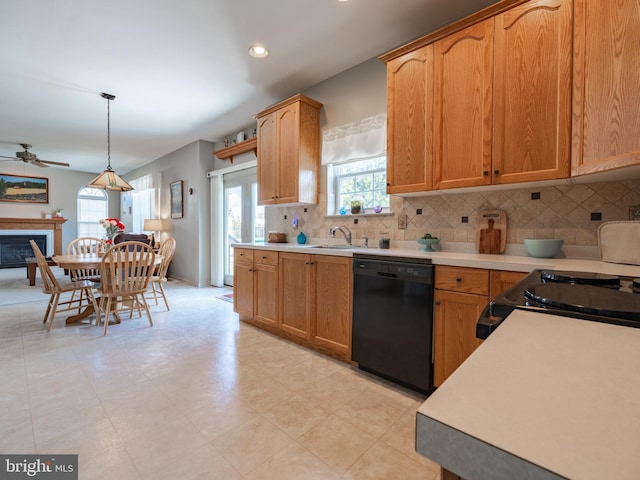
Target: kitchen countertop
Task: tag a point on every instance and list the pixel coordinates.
(514, 263)
(543, 397)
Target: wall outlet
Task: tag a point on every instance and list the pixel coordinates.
(402, 221)
(634, 212)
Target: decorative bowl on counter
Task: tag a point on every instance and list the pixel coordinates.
(428, 243)
(543, 247)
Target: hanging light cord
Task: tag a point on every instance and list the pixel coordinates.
(108, 97)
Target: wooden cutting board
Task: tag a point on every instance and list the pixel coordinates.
(491, 231)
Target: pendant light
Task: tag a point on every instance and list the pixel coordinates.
(109, 180)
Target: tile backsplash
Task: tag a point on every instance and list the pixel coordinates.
(570, 212)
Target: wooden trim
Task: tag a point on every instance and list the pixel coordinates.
(454, 27)
(54, 224)
(237, 149)
(296, 98)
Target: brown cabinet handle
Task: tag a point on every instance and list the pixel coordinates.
(437, 304)
(458, 279)
(264, 256)
(496, 172)
(485, 173)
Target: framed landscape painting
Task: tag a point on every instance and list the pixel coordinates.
(20, 188)
(176, 199)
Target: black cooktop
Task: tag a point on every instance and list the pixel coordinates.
(589, 296)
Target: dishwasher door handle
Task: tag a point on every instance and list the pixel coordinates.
(388, 275)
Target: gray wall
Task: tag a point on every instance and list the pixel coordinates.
(189, 164)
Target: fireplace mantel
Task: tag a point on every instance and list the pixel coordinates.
(54, 224)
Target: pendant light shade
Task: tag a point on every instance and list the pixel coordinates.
(109, 180)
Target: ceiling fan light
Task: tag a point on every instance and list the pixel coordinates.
(110, 180)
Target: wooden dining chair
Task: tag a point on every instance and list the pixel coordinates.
(55, 289)
(167, 250)
(86, 246)
(126, 269)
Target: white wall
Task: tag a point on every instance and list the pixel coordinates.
(64, 185)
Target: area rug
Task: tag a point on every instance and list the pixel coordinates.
(227, 297)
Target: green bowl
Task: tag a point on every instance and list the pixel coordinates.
(428, 243)
(543, 247)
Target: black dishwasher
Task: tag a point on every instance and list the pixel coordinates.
(393, 319)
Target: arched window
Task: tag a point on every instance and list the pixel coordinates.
(93, 206)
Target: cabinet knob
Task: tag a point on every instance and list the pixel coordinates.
(437, 304)
(308, 263)
(485, 173)
(496, 172)
(458, 279)
(264, 257)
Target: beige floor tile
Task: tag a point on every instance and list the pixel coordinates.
(160, 448)
(337, 442)
(17, 438)
(382, 462)
(205, 463)
(114, 463)
(264, 394)
(65, 421)
(293, 463)
(371, 413)
(251, 444)
(332, 393)
(217, 418)
(295, 415)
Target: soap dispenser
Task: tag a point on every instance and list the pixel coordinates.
(302, 238)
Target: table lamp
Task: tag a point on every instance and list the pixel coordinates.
(153, 225)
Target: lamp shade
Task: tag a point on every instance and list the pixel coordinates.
(152, 225)
(110, 180)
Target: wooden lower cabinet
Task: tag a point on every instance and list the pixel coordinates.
(305, 298)
(460, 296)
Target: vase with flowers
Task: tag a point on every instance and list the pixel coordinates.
(112, 227)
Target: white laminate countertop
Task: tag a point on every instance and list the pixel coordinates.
(514, 263)
(545, 396)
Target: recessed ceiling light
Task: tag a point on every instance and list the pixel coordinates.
(258, 51)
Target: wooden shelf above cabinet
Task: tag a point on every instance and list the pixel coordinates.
(237, 149)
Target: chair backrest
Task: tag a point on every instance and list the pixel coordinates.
(131, 237)
(167, 250)
(126, 268)
(86, 246)
(49, 280)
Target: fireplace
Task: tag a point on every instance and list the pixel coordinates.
(48, 227)
(14, 249)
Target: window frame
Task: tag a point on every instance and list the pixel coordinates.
(95, 230)
(334, 182)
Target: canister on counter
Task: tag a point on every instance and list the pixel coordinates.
(384, 241)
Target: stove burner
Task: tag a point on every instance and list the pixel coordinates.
(580, 278)
(586, 299)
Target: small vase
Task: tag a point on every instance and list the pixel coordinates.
(302, 238)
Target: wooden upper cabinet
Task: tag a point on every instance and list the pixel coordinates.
(463, 65)
(532, 92)
(289, 152)
(409, 121)
(606, 73)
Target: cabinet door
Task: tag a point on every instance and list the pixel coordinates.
(606, 69)
(243, 289)
(333, 307)
(288, 119)
(463, 64)
(502, 280)
(296, 294)
(532, 87)
(409, 121)
(267, 159)
(454, 335)
(266, 294)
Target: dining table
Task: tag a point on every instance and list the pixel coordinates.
(89, 262)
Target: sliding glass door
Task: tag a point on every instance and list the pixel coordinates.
(244, 218)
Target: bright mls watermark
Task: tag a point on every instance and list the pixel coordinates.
(50, 467)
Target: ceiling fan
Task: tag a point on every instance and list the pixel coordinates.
(28, 157)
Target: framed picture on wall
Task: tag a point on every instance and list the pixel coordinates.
(176, 199)
(23, 189)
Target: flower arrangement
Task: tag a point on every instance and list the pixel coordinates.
(112, 226)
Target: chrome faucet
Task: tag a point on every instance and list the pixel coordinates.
(345, 231)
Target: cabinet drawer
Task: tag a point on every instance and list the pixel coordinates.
(243, 255)
(463, 279)
(265, 257)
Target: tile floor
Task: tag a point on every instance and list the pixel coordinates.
(199, 395)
